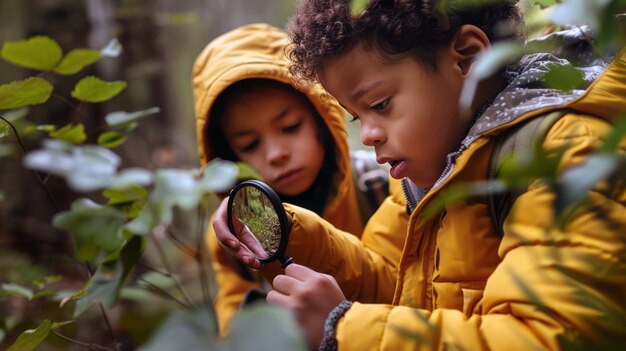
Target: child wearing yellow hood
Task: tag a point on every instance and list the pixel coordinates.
(248, 110)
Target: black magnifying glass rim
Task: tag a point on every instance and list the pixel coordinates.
(277, 204)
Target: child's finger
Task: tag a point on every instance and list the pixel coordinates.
(228, 241)
(275, 297)
(252, 243)
(300, 272)
(222, 232)
(285, 284)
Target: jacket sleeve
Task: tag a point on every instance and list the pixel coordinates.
(365, 273)
(553, 289)
(231, 286)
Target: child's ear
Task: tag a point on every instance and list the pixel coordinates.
(468, 43)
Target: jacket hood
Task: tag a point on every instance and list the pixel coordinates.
(602, 92)
(258, 51)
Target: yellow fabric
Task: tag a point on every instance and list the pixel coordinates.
(459, 287)
(257, 51)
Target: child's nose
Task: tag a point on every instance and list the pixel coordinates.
(278, 153)
(372, 135)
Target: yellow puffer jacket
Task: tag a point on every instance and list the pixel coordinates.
(257, 51)
(458, 286)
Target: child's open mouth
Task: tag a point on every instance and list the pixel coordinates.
(398, 168)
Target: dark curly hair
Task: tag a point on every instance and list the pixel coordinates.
(323, 29)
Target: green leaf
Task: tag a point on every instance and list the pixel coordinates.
(189, 331)
(181, 188)
(15, 115)
(579, 13)
(614, 138)
(71, 133)
(493, 59)
(564, 78)
(610, 32)
(103, 287)
(145, 221)
(537, 19)
(40, 52)
(121, 119)
(56, 325)
(356, 6)
(44, 293)
(16, 290)
(94, 89)
(2, 335)
(578, 180)
(85, 167)
(247, 172)
(129, 199)
(76, 60)
(29, 339)
(94, 226)
(130, 254)
(46, 128)
(461, 192)
(112, 49)
(219, 176)
(111, 139)
(30, 91)
(125, 195)
(157, 279)
(246, 333)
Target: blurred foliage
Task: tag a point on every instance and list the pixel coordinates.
(109, 238)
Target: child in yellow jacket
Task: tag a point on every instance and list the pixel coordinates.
(248, 110)
(399, 67)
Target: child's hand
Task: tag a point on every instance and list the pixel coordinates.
(229, 242)
(311, 295)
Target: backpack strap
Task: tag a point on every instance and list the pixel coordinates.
(517, 141)
(371, 180)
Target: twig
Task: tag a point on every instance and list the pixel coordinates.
(106, 320)
(169, 270)
(75, 108)
(164, 293)
(204, 279)
(57, 207)
(171, 276)
(88, 345)
(41, 181)
(186, 249)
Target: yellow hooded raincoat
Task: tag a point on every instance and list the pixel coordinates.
(257, 51)
(458, 285)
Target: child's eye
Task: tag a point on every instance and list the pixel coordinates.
(381, 106)
(250, 147)
(292, 128)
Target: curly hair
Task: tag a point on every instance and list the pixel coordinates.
(323, 29)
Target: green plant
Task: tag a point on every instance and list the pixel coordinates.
(109, 238)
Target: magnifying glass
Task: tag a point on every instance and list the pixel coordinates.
(257, 217)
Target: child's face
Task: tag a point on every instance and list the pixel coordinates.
(274, 131)
(408, 113)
